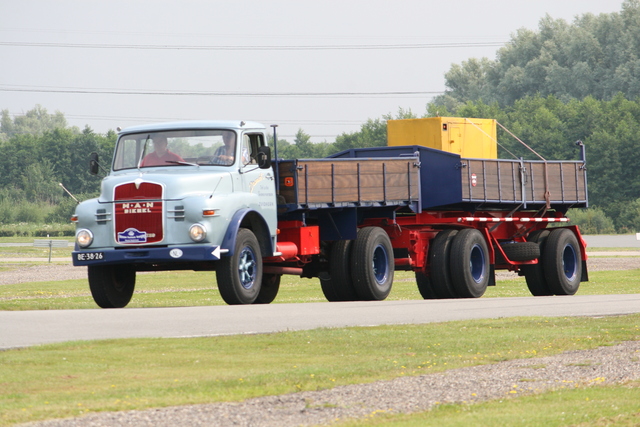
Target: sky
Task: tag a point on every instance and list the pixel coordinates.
(325, 67)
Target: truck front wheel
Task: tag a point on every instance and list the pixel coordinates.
(112, 285)
(239, 276)
(268, 289)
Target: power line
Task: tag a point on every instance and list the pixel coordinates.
(101, 91)
(311, 122)
(256, 47)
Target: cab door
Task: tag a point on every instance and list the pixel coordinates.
(258, 183)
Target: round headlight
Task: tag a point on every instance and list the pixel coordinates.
(84, 238)
(197, 232)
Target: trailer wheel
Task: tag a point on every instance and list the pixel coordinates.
(337, 285)
(239, 276)
(425, 286)
(112, 285)
(268, 289)
(439, 259)
(469, 263)
(561, 262)
(372, 264)
(534, 274)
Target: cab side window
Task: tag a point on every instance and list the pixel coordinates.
(250, 144)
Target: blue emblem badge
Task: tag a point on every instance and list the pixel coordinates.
(131, 235)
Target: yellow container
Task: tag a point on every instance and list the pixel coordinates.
(471, 138)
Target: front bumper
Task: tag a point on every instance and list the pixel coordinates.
(150, 255)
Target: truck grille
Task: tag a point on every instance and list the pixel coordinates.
(139, 213)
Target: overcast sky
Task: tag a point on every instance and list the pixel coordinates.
(322, 66)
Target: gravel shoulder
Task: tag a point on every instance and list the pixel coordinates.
(19, 272)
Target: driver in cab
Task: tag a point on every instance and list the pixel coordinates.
(161, 155)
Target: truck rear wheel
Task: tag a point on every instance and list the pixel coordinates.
(112, 285)
(562, 262)
(239, 276)
(372, 264)
(469, 262)
(337, 285)
(268, 289)
(439, 260)
(534, 274)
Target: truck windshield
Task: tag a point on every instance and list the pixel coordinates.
(175, 148)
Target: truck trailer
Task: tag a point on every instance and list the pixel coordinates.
(214, 196)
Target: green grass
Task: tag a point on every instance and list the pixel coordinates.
(8, 252)
(188, 288)
(70, 379)
(594, 406)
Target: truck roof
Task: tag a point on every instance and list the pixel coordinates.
(193, 124)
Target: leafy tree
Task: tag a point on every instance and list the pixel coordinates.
(373, 133)
(591, 221)
(34, 122)
(39, 183)
(628, 218)
(595, 56)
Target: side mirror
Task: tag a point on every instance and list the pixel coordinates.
(93, 164)
(264, 157)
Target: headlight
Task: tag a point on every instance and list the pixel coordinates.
(84, 238)
(197, 232)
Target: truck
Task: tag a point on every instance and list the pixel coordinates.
(215, 196)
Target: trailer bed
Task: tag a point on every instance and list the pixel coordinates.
(448, 181)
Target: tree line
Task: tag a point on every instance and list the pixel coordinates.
(38, 152)
(595, 56)
(33, 161)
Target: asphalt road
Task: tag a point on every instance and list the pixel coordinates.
(27, 328)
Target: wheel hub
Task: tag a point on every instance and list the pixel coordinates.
(247, 268)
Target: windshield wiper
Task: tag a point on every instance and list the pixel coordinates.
(177, 162)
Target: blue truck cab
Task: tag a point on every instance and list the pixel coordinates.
(176, 196)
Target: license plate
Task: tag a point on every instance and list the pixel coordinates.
(89, 256)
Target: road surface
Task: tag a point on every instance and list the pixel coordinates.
(27, 328)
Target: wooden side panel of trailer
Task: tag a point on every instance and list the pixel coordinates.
(339, 182)
(528, 182)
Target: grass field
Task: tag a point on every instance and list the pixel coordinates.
(72, 379)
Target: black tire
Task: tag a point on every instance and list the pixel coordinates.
(424, 286)
(337, 285)
(239, 276)
(372, 264)
(562, 263)
(534, 274)
(112, 286)
(521, 251)
(439, 260)
(469, 263)
(268, 289)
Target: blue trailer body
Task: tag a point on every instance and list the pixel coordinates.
(448, 181)
(440, 179)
